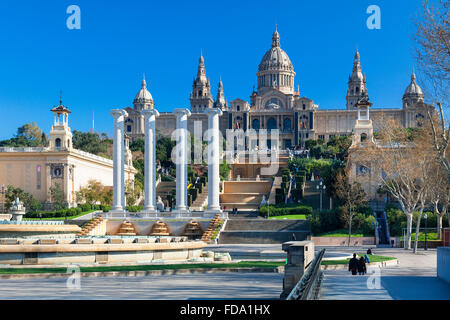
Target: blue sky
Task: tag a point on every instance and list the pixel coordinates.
(100, 67)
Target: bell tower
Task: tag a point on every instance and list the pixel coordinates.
(356, 84)
(60, 135)
(363, 131)
(201, 98)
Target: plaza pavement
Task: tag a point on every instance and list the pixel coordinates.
(165, 287)
(414, 278)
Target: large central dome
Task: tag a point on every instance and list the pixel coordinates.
(275, 58)
(275, 70)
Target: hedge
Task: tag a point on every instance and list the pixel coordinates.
(289, 209)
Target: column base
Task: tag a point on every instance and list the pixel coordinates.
(213, 211)
(149, 210)
(181, 211)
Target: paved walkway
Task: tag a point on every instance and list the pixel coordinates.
(164, 287)
(413, 279)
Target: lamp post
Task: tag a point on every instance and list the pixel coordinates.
(426, 224)
(321, 187)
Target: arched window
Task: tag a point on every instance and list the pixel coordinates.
(238, 108)
(363, 137)
(255, 124)
(271, 124)
(58, 143)
(199, 93)
(357, 90)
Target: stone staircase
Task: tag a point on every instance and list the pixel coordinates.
(215, 222)
(262, 231)
(201, 200)
(95, 227)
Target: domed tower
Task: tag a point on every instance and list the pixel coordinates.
(356, 83)
(143, 99)
(134, 122)
(413, 93)
(201, 97)
(60, 135)
(275, 70)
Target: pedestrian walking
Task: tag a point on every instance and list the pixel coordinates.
(353, 265)
(362, 266)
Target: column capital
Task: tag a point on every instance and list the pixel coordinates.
(150, 112)
(213, 111)
(118, 112)
(182, 111)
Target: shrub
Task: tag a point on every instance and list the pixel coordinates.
(134, 208)
(286, 209)
(106, 208)
(285, 178)
(85, 207)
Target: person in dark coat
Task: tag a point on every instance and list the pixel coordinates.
(353, 265)
(362, 266)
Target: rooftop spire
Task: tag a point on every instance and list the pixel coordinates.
(275, 38)
(201, 72)
(144, 83)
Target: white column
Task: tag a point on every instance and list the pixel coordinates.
(181, 160)
(213, 160)
(150, 160)
(118, 160)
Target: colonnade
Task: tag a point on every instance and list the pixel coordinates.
(181, 161)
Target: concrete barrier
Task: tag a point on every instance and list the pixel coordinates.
(443, 263)
(343, 241)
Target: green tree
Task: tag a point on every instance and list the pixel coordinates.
(57, 194)
(30, 203)
(28, 135)
(91, 142)
(352, 196)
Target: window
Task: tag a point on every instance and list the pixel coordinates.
(38, 177)
(58, 143)
(200, 93)
(238, 108)
(255, 124)
(321, 137)
(271, 124)
(363, 137)
(304, 106)
(287, 124)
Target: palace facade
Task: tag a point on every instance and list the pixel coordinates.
(276, 104)
(36, 170)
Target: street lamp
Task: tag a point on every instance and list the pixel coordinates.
(321, 188)
(426, 224)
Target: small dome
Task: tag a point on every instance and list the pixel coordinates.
(413, 87)
(143, 95)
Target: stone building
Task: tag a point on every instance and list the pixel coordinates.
(276, 104)
(35, 170)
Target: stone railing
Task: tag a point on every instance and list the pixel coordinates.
(308, 286)
(33, 222)
(22, 149)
